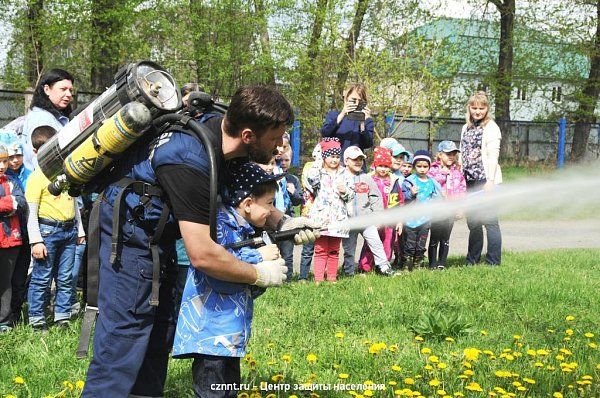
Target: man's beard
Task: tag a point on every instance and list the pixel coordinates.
(260, 155)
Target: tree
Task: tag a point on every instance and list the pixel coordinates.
(263, 26)
(33, 49)
(105, 25)
(361, 9)
(584, 115)
(504, 73)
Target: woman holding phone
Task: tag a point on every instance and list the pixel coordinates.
(354, 124)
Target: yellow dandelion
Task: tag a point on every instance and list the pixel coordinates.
(521, 388)
(419, 338)
(598, 366)
(428, 367)
(368, 382)
(80, 384)
(565, 351)
(468, 372)
(396, 368)
(550, 368)
(434, 358)
(593, 345)
(392, 383)
(484, 332)
(538, 365)
(425, 350)
(410, 381)
(587, 377)
(271, 363)
(393, 348)
(271, 345)
(10, 396)
(293, 396)
(441, 392)
(68, 384)
(343, 375)
(271, 395)
(516, 337)
(339, 335)
(434, 383)
(542, 352)
(570, 318)
(589, 335)
(467, 365)
(473, 386)
(502, 373)
(442, 365)
(560, 357)
(286, 358)
(528, 381)
(463, 377)
(459, 394)
(368, 393)
(336, 365)
(312, 358)
(19, 380)
(567, 339)
(471, 354)
(569, 332)
(277, 378)
(557, 395)
(449, 340)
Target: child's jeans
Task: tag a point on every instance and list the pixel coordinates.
(327, 251)
(416, 240)
(213, 375)
(440, 235)
(60, 243)
(305, 260)
(8, 258)
(79, 252)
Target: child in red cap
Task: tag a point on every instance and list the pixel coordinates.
(391, 192)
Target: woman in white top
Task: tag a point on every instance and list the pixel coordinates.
(480, 149)
(50, 106)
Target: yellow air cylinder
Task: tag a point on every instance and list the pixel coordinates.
(111, 139)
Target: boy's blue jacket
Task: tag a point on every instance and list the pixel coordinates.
(215, 316)
(428, 190)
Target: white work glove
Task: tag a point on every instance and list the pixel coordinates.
(269, 252)
(306, 235)
(270, 273)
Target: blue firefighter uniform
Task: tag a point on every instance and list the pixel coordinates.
(132, 338)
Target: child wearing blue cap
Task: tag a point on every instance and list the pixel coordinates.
(215, 316)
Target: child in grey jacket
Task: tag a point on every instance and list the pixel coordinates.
(367, 200)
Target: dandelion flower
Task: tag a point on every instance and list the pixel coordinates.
(593, 345)
(396, 368)
(569, 332)
(312, 358)
(449, 340)
(484, 332)
(425, 350)
(441, 392)
(286, 358)
(19, 380)
(434, 358)
(468, 372)
(271, 345)
(557, 395)
(368, 393)
(428, 367)
(570, 318)
(419, 338)
(394, 348)
(68, 384)
(343, 375)
(542, 352)
(392, 383)
(471, 354)
(528, 381)
(442, 365)
(277, 378)
(409, 381)
(79, 384)
(531, 353)
(339, 335)
(434, 383)
(473, 386)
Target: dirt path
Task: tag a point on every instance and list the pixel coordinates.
(521, 236)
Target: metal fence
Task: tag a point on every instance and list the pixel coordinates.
(529, 140)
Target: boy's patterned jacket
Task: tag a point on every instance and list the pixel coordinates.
(216, 316)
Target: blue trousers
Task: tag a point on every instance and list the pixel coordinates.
(132, 339)
(60, 244)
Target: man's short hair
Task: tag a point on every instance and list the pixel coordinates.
(41, 135)
(258, 107)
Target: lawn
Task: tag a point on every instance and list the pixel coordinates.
(527, 328)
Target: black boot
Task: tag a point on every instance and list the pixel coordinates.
(432, 254)
(444, 249)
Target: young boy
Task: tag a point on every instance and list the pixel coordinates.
(367, 199)
(54, 228)
(215, 318)
(12, 203)
(20, 174)
(421, 188)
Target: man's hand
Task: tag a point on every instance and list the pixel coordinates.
(269, 252)
(38, 251)
(270, 273)
(310, 229)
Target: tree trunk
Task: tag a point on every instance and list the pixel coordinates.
(361, 9)
(317, 30)
(584, 116)
(265, 42)
(33, 49)
(104, 50)
(504, 73)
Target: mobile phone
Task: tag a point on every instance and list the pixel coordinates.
(358, 113)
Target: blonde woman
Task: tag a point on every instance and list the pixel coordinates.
(480, 149)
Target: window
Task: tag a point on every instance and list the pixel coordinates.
(521, 93)
(557, 94)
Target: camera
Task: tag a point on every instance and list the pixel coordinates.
(358, 113)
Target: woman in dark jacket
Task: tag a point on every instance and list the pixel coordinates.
(354, 124)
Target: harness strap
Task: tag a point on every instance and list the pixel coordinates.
(154, 239)
(92, 280)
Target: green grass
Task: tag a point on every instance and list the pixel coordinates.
(530, 296)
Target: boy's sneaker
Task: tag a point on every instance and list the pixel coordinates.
(63, 324)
